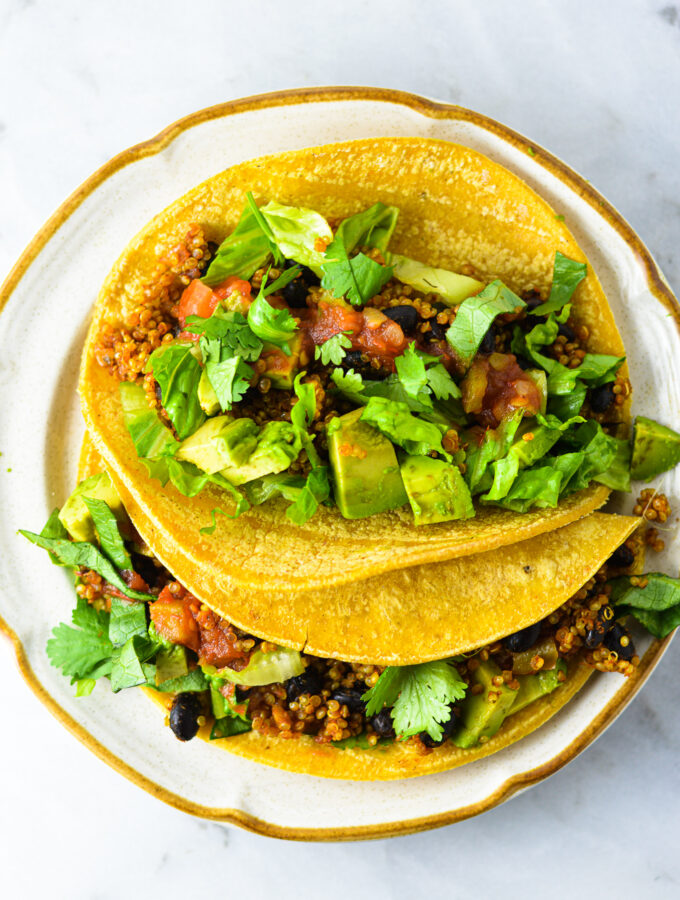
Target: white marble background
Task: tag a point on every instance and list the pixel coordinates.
(597, 83)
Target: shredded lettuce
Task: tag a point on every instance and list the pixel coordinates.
(567, 275)
(178, 372)
(242, 253)
(152, 439)
(297, 232)
(475, 316)
(271, 325)
(395, 421)
(655, 606)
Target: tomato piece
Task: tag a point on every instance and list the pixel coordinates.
(218, 641)
(173, 619)
(332, 318)
(495, 387)
(380, 337)
(197, 300)
(233, 285)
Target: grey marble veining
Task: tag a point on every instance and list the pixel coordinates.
(598, 85)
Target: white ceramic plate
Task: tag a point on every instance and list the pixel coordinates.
(47, 300)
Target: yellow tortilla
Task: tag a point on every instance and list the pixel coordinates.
(457, 207)
(399, 760)
(410, 615)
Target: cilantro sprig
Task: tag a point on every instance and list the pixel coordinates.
(333, 350)
(420, 696)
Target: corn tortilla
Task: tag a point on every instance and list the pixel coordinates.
(457, 207)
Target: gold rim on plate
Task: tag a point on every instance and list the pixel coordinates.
(657, 286)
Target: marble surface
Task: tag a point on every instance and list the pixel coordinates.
(599, 88)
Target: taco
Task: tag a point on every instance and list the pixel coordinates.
(137, 625)
(326, 365)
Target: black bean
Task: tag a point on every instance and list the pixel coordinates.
(622, 557)
(447, 730)
(295, 294)
(436, 331)
(522, 640)
(355, 359)
(613, 642)
(310, 682)
(566, 331)
(405, 316)
(602, 397)
(184, 714)
(351, 697)
(309, 278)
(595, 635)
(382, 723)
(532, 300)
(212, 248)
(488, 344)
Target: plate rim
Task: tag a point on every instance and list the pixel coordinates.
(435, 110)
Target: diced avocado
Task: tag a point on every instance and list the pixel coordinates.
(171, 662)
(540, 379)
(281, 369)
(365, 468)
(483, 714)
(436, 490)
(75, 516)
(656, 449)
(532, 687)
(220, 442)
(451, 287)
(207, 398)
(277, 447)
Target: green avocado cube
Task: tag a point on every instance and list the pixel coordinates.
(483, 714)
(436, 490)
(280, 367)
(365, 468)
(656, 449)
(207, 398)
(278, 446)
(74, 514)
(533, 687)
(219, 442)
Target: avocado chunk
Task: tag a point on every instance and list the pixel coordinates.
(281, 368)
(220, 442)
(436, 490)
(365, 469)
(483, 714)
(656, 449)
(451, 287)
(75, 516)
(533, 687)
(207, 398)
(278, 445)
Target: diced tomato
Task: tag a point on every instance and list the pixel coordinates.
(218, 641)
(197, 300)
(332, 318)
(495, 387)
(134, 580)
(370, 331)
(173, 619)
(233, 285)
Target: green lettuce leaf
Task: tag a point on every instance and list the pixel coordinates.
(296, 230)
(271, 325)
(242, 253)
(397, 423)
(128, 619)
(129, 667)
(475, 316)
(110, 540)
(190, 480)
(567, 275)
(656, 606)
(178, 372)
(152, 439)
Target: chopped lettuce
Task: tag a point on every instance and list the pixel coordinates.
(178, 372)
(152, 439)
(297, 232)
(475, 316)
(567, 275)
(395, 421)
(242, 253)
(110, 540)
(656, 606)
(274, 326)
(190, 480)
(267, 668)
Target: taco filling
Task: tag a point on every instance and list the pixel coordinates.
(137, 625)
(301, 359)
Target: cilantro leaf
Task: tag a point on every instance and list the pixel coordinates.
(396, 422)
(315, 490)
(475, 316)
(333, 350)
(349, 383)
(80, 553)
(82, 650)
(231, 329)
(358, 278)
(229, 378)
(441, 383)
(178, 372)
(275, 326)
(567, 275)
(242, 253)
(110, 541)
(412, 374)
(656, 606)
(420, 696)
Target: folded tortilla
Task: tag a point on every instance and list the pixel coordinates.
(457, 207)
